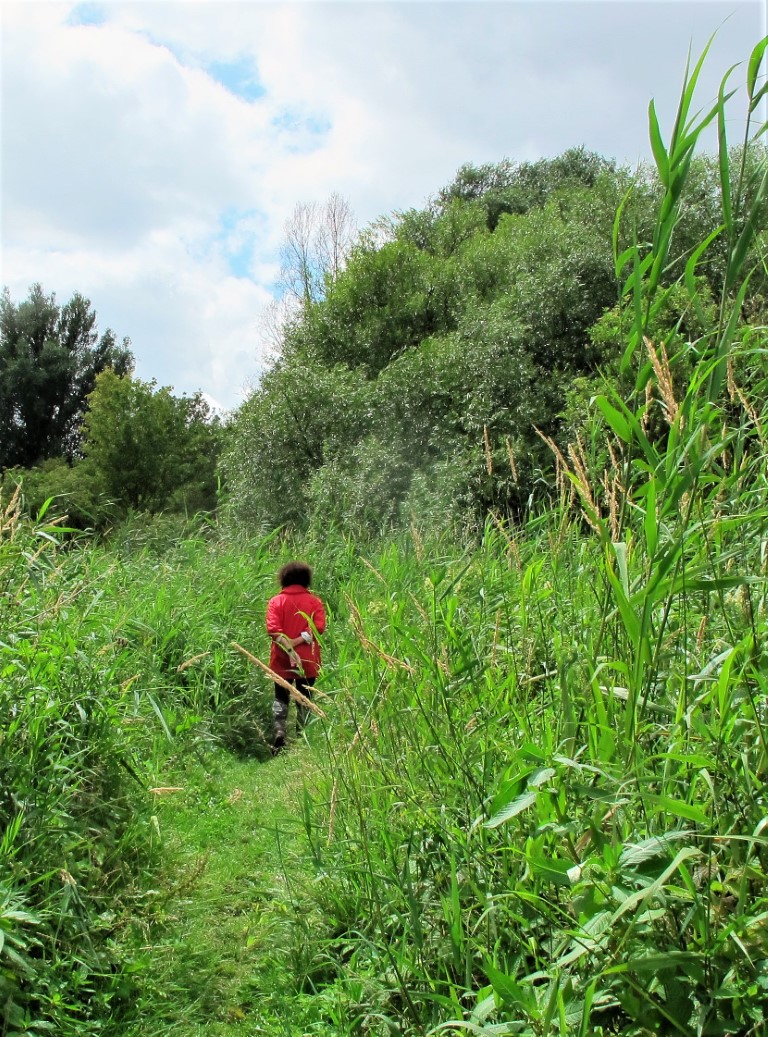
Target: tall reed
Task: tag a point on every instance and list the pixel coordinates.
(544, 808)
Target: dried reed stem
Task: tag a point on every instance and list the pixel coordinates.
(369, 646)
(514, 550)
(191, 662)
(664, 381)
(512, 462)
(292, 691)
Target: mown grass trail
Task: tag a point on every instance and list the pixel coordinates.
(217, 920)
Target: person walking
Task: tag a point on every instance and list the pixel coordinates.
(295, 617)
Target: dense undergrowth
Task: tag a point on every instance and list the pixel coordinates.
(535, 803)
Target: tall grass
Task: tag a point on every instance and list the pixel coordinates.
(544, 810)
(113, 663)
(542, 803)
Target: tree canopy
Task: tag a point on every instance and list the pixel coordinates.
(456, 336)
(146, 445)
(50, 356)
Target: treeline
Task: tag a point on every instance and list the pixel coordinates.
(425, 369)
(425, 378)
(78, 426)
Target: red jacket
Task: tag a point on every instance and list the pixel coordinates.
(287, 614)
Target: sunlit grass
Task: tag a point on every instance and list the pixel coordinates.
(536, 804)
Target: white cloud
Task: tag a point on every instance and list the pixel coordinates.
(130, 172)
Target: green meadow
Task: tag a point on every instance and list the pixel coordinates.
(533, 800)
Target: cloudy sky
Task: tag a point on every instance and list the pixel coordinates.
(153, 151)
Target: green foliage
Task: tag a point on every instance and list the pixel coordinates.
(386, 301)
(292, 425)
(50, 356)
(543, 810)
(535, 803)
(149, 449)
(491, 317)
(543, 806)
(112, 661)
(509, 188)
(461, 331)
(66, 795)
(74, 490)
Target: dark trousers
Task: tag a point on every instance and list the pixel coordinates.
(283, 699)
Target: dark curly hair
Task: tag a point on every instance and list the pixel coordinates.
(295, 573)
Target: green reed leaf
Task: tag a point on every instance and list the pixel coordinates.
(650, 522)
(517, 806)
(510, 991)
(551, 870)
(618, 421)
(689, 87)
(678, 808)
(592, 934)
(657, 145)
(690, 271)
(686, 961)
(620, 550)
(619, 261)
(629, 619)
(640, 896)
(751, 228)
(753, 69)
(724, 161)
(655, 846)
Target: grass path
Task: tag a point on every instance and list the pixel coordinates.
(220, 925)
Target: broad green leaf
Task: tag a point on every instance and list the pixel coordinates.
(677, 808)
(153, 703)
(692, 964)
(753, 67)
(589, 936)
(551, 870)
(517, 806)
(620, 550)
(637, 898)
(647, 849)
(618, 422)
(509, 990)
(541, 777)
(706, 584)
(484, 1008)
(657, 145)
(43, 508)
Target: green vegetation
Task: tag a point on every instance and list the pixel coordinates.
(536, 802)
(141, 450)
(76, 426)
(492, 316)
(49, 358)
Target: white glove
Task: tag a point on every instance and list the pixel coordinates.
(306, 636)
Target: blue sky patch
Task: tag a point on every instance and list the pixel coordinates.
(240, 77)
(304, 130)
(237, 239)
(300, 122)
(87, 14)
